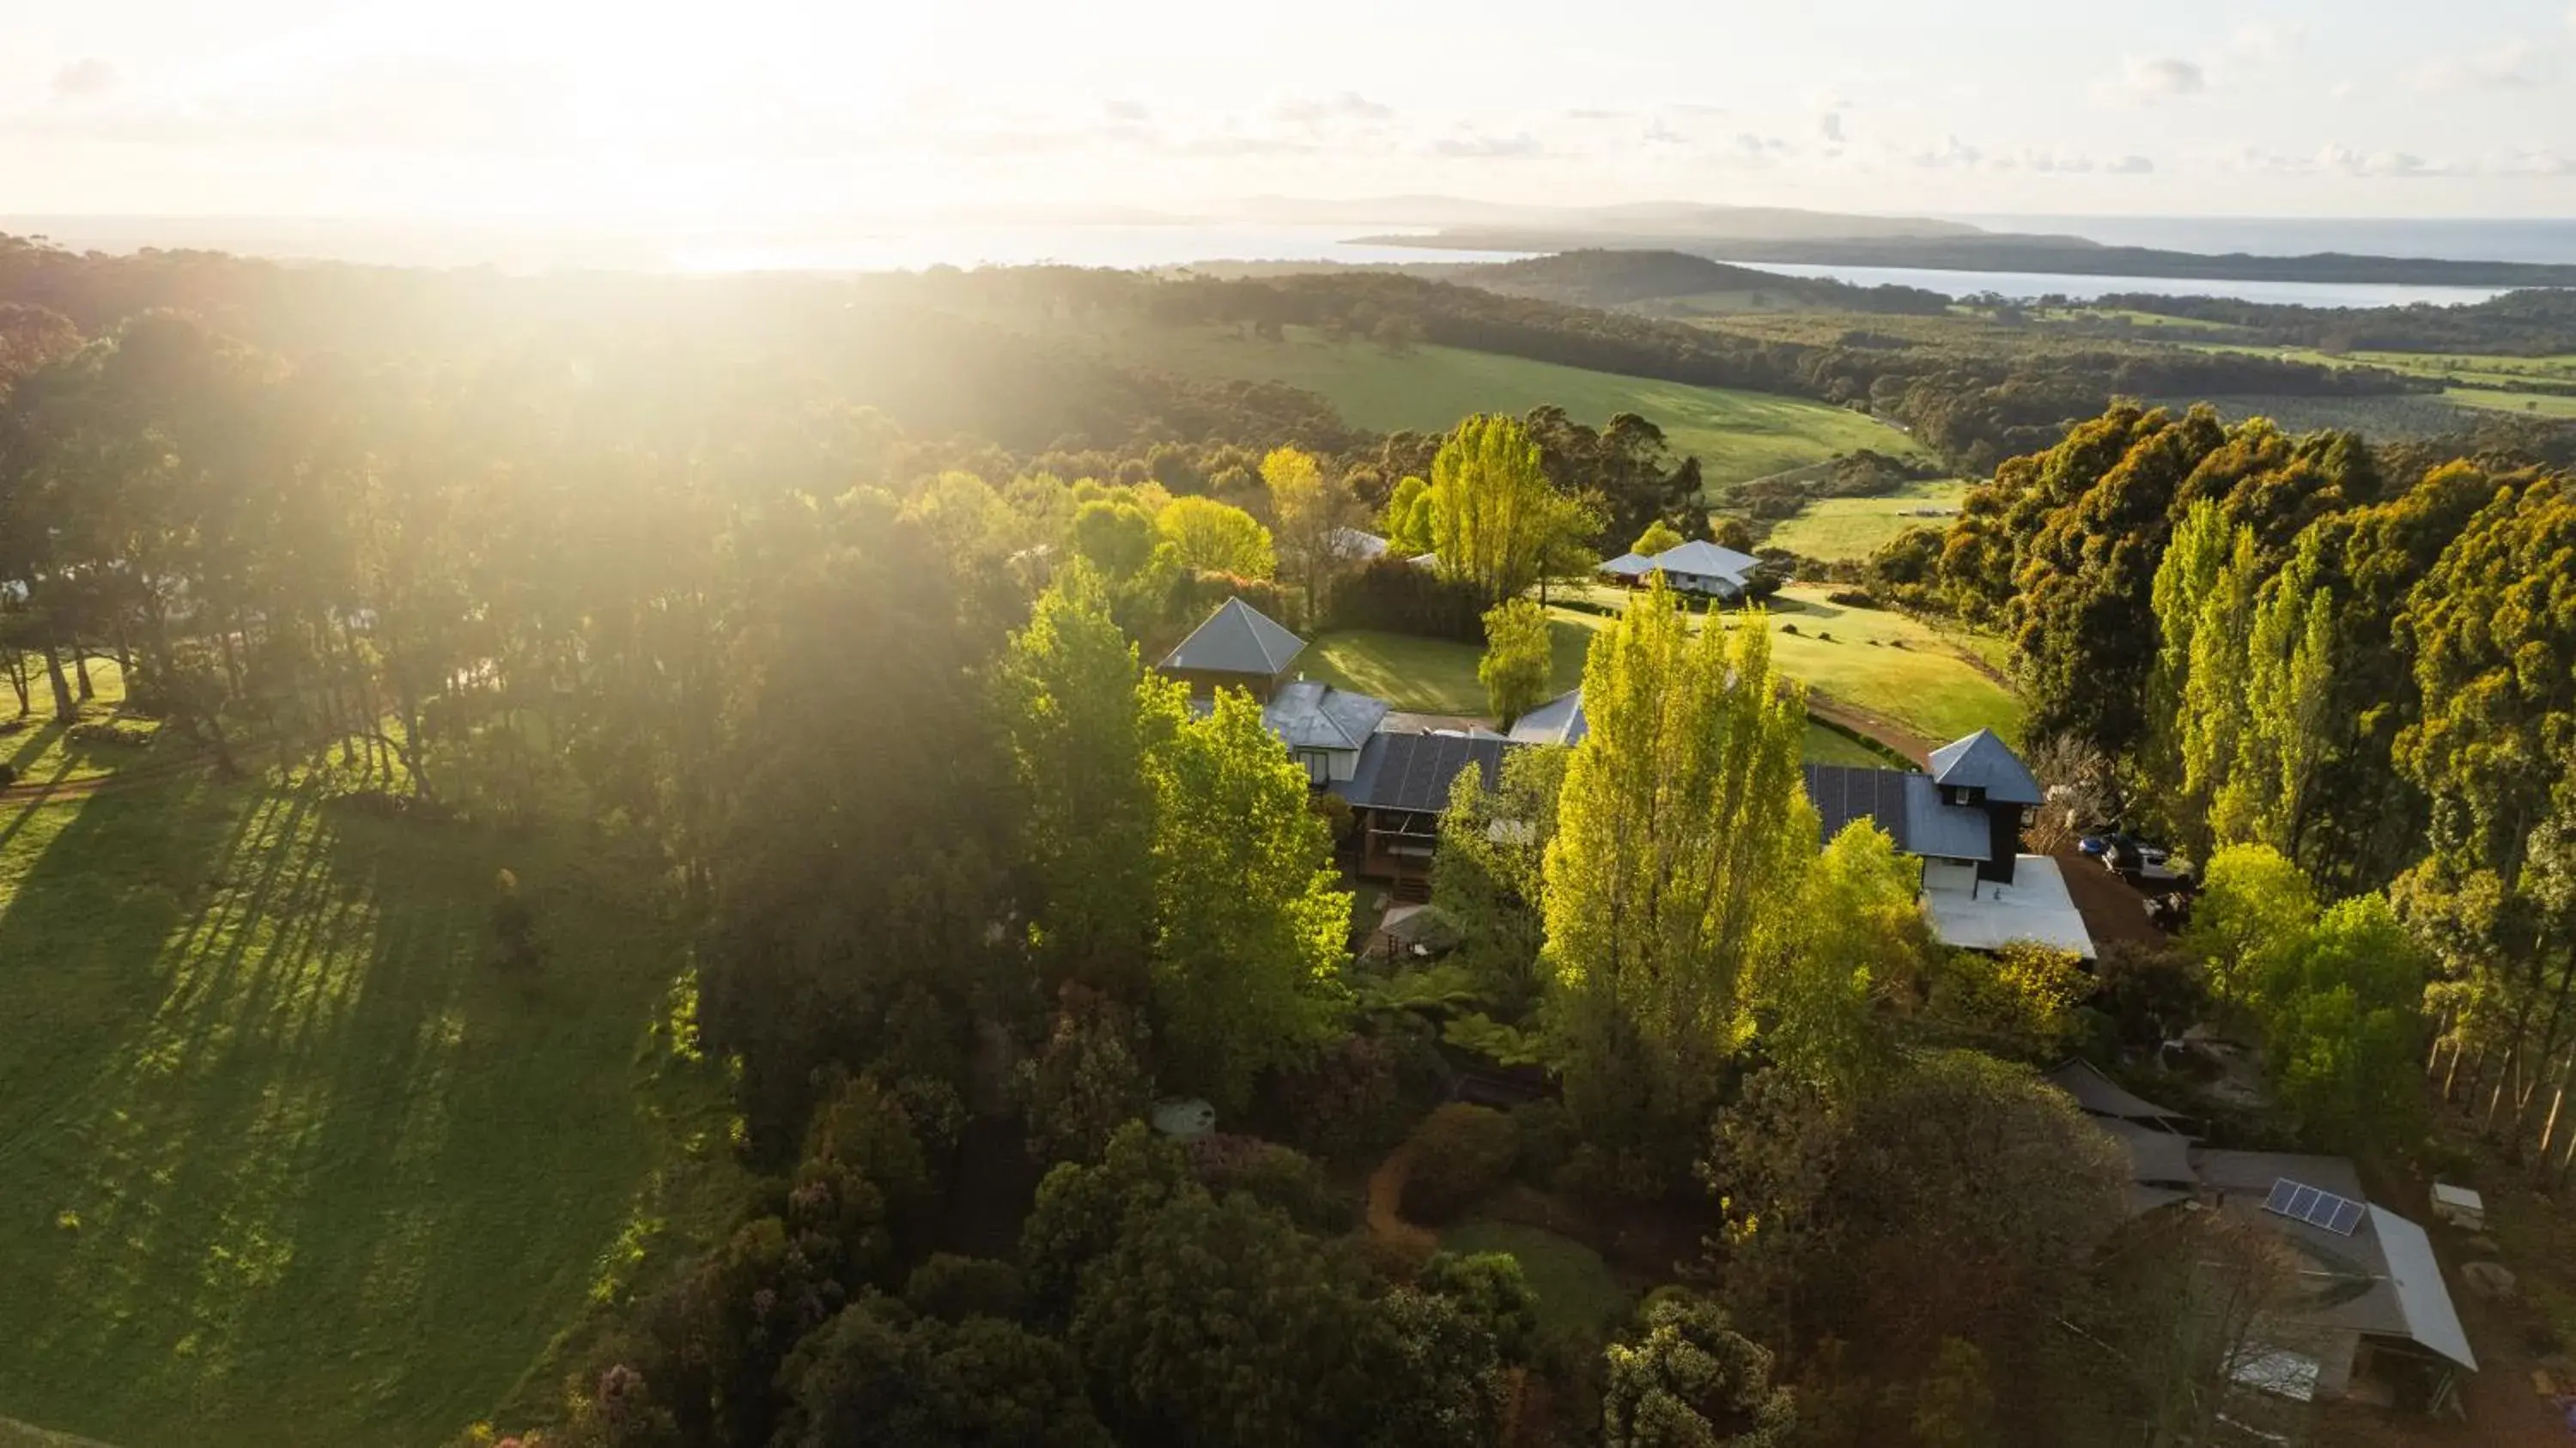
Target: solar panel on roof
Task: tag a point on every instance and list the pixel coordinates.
(2301, 1202)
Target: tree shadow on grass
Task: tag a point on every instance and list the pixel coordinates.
(341, 1178)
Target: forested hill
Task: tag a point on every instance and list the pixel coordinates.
(2071, 255)
(993, 355)
(2536, 322)
(1604, 278)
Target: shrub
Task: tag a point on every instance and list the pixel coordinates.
(1344, 1103)
(1852, 598)
(514, 924)
(955, 1288)
(1275, 1175)
(109, 733)
(1393, 595)
(1546, 1140)
(1788, 628)
(1460, 1153)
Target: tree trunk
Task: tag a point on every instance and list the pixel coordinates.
(18, 679)
(2549, 1131)
(65, 709)
(80, 667)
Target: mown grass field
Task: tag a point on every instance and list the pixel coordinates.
(1576, 1293)
(1735, 435)
(285, 1158)
(1888, 664)
(1837, 530)
(1884, 663)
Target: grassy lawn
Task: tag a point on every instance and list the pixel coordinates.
(1888, 664)
(1833, 530)
(1575, 1290)
(1824, 746)
(1912, 674)
(1431, 676)
(1736, 435)
(284, 1159)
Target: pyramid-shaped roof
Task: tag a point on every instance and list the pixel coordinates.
(1983, 761)
(1706, 559)
(1237, 639)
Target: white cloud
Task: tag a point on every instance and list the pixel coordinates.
(1348, 106)
(2514, 65)
(2130, 166)
(2263, 44)
(1129, 111)
(1830, 126)
(83, 80)
(2147, 79)
(1474, 145)
(1659, 134)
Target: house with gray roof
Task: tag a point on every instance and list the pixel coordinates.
(1963, 820)
(1558, 721)
(1325, 728)
(1238, 647)
(2362, 1295)
(1401, 788)
(1698, 566)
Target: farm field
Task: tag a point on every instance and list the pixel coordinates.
(1736, 435)
(1839, 530)
(285, 1156)
(2536, 404)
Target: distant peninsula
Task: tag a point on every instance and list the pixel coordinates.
(2007, 252)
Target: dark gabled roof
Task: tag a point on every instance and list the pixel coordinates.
(1414, 771)
(1844, 792)
(1904, 803)
(1237, 639)
(1982, 761)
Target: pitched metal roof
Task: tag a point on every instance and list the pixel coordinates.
(1558, 721)
(1945, 831)
(2417, 1278)
(1983, 761)
(2381, 1280)
(1707, 560)
(1628, 565)
(2099, 1095)
(1237, 639)
(1311, 714)
(1904, 803)
(1414, 771)
(1357, 543)
(1844, 792)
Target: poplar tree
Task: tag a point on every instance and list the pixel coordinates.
(1683, 833)
(1494, 516)
(1520, 659)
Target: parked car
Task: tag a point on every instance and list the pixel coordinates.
(2143, 864)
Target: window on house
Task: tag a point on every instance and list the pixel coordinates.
(1319, 766)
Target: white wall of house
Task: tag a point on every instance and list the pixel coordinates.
(1338, 764)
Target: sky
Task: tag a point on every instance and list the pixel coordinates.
(650, 113)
